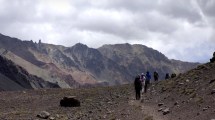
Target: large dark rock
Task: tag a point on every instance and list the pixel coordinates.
(69, 101)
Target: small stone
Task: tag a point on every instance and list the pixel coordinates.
(43, 115)
(204, 109)
(176, 103)
(104, 116)
(58, 116)
(51, 118)
(213, 91)
(181, 83)
(166, 111)
(90, 111)
(187, 80)
(160, 104)
(117, 96)
(160, 109)
(212, 81)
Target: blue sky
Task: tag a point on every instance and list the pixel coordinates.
(180, 29)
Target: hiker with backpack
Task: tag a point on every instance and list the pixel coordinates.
(167, 76)
(147, 82)
(138, 87)
(142, 79)
(156, 76)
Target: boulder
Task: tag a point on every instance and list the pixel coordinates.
(69, 101)
(43, 115)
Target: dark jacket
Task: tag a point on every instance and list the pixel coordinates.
(137, 83)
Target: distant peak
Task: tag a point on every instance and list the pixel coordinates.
(80, 44)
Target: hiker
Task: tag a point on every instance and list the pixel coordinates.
(156, 76)
(142, 79)
(167, 76)
(147, 82)
(213, 58)
(138, 87)
(173, 75)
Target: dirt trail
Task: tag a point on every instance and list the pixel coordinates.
(148, 110)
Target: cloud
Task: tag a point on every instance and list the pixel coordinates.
(183, 29)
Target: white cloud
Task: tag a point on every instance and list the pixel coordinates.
(182, 29)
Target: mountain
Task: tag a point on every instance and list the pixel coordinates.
(81, 66)
(139, 58)
(14, 77)
(189, 96)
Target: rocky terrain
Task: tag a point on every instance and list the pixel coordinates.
(14, 77)
(81, 66)
(189, 96)
(136, 58)
(110, 103)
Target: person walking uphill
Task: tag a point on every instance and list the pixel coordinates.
(138, 87)
(156, 76)
(147, 82)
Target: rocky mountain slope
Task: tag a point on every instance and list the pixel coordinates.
(14, 77)
(139, 58)
(80, 65)
(189, 96)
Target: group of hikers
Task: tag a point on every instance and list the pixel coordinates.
(141, 82)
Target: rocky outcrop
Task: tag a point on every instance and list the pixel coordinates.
(19, 78)
(101, 67)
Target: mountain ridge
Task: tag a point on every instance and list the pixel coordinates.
(80, 65)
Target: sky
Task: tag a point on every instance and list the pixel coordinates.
(180, 29)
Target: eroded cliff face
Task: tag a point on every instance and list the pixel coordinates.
(14, 77)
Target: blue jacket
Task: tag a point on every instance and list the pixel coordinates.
(148, 76)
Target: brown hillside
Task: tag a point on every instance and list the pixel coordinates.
(189, 96)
